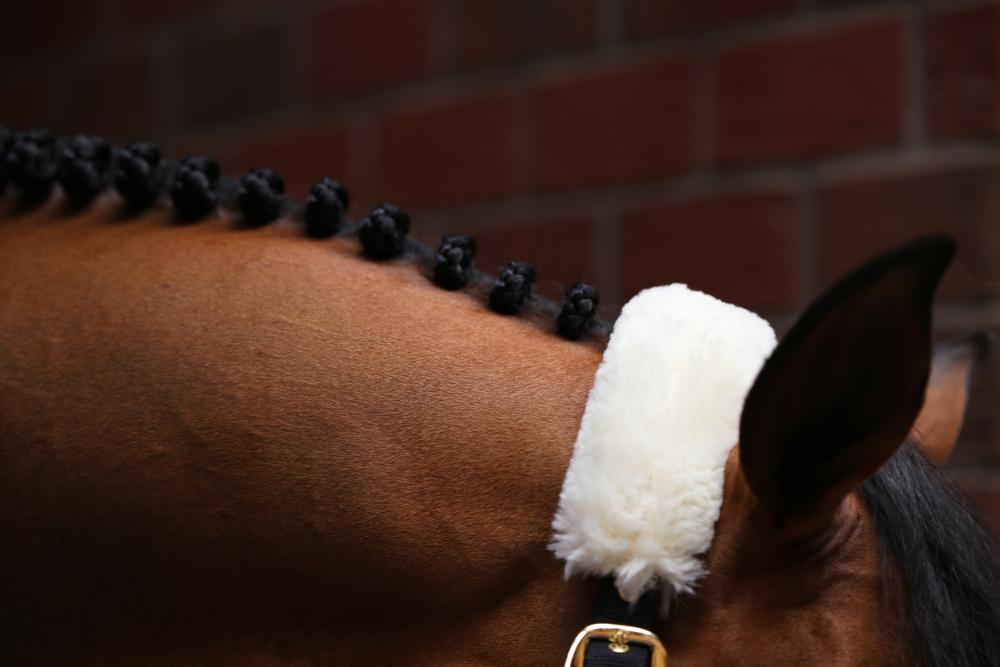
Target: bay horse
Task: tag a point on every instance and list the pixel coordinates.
(231, 443)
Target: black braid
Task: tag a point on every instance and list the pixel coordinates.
(384, 232)
(139, 175)
(6, 141)
(455, 266)
(260, 196)
(325, 208)
(32, 164)
(578, 312)
(194, 189)
(84, 164)
(512, 288)
(32, 161)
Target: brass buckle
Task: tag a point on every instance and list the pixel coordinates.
(619, 637)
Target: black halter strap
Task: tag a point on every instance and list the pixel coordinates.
(610, 608)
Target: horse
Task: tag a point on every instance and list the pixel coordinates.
(225, 441)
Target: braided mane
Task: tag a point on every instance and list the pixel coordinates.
(84, 166)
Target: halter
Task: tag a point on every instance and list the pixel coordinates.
(643, 489)
(621, 634)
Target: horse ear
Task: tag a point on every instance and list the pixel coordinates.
(941, 416)
(840, 392)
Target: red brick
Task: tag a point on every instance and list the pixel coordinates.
(828, 91)
(110, 97)
(490, 32)
(613, 126)
(845, 4)
(986, 499)
(303, 157)
(21, 104)
(37, 26)
(232, 76)
(645, 18)
(963, 69)
(162, 11)
(862, 218)
(365, 44)
(445, 155)
(560, 248)
(742, 248)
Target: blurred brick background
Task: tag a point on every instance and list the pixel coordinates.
(755, 149)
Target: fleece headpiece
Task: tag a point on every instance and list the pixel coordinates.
(644, 486)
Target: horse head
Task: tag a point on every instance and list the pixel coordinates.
(237, 442)
(838, 541)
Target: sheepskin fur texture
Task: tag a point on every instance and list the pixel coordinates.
(644, 486)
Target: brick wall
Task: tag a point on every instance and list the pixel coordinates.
(753, 148)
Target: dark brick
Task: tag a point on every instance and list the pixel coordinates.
(862, 218)
(21, 104)
(742, 248)
(31, 27)
(830, 90)
(613, 126)
(134, 13)
(561, 249)
(842, 4)
(232, 76)
(986, 498)
(365, 44)
(304, 156)
(445, 155)
(491, 32)
(646, 18)
(963, 69)
(112, 97)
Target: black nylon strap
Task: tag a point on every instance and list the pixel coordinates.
(610, 608)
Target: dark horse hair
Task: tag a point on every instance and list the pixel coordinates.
(86, 165)
(941, 563)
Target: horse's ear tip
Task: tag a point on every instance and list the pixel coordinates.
(940, 249)
(930, 256)
(939, 238)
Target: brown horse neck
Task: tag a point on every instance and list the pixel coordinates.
(279, 433)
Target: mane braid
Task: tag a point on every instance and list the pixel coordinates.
(224, 193)
(939, 560)
(421, 254)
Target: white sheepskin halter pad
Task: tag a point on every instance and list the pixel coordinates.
(644, 486)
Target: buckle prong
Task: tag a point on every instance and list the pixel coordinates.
(619, 642)
(619, 638)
